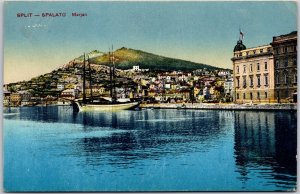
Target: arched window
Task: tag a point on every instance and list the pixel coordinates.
(285, 78)
(277, 64)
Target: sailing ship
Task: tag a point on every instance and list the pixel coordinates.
(102, 103)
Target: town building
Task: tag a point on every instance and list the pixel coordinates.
(136, 68)
(69, 94)
(266, 73)
(25, 98)
(253, 74)
(15, 99)
(285, 60)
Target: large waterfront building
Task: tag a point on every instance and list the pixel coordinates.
(266, 74)
(285, 60)
(253, 71)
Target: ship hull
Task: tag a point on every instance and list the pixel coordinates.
(105, 107)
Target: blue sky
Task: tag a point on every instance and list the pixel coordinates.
(203, 32)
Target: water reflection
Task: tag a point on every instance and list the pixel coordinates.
(266, 141)
(147, 134)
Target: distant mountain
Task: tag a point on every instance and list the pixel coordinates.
(126, 58)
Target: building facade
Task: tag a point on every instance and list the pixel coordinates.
(253, 74)
(285, 60)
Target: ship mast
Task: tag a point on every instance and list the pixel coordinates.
(83, 85)
(90, 75)
(110, 74)
(114, 98)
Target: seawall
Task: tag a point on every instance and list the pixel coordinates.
(221, 106)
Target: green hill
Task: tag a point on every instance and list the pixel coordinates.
(126, 58)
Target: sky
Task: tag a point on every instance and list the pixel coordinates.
(204, 32)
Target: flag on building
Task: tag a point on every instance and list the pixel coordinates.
(241, 35)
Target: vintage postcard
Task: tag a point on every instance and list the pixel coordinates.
(150, 96)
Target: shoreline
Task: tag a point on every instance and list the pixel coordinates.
(221, 106)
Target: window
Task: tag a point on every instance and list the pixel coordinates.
(237, 96)
(295, 77)
(286, 62)
(266, 66)
(244, 82)
(247, 53)
(286, 93)
(285, 49)
(251, 95)
(277, 78)
(258, 67)
(254, 52)
(237, 69)
(238, 82)
(266, 95)
(258, 80)
(277, 64)
(250, 67)
(266, 80)
(261, 51)
(244, 96)
(295, 61)
(244, 69)
(285, 80)
(251, 81)
(269, 49)
(258, 95)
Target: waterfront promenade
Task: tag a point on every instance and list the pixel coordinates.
(222, 106)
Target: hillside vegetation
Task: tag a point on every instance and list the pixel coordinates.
(126, 58)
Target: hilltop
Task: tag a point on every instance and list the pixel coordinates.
(126, 58)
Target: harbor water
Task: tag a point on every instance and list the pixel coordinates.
(54, 149)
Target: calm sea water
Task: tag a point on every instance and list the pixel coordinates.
(54, 149)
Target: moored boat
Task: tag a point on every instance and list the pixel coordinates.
(104, 107)
(103, 103)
